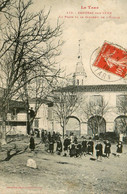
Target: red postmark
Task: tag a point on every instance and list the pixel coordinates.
(113, 59)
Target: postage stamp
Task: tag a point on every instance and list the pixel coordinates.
(100, 73)
(112, 58)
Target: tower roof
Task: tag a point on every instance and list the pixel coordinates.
(79, 77)
(79, 68)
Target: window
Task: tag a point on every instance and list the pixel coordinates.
(121, 99)
(121, 103)
(96, 104)
(96, 100)
(36, 123)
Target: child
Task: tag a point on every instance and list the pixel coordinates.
(107, 150)
(99, 148)
(32, 144)
(59, 147)
(119, 147)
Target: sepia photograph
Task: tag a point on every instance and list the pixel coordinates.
(63, 97)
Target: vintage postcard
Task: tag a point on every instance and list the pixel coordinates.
(63, 93)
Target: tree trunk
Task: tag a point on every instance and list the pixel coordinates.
(28, 120)
(64, 127)
(29, 123)
(31, 126)
(63, 132)
(28, 127)
(3, 138)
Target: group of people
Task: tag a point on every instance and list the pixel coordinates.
(107, 149)
(47, 138)
(73, 146)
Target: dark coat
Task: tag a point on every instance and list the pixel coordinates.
(59, 146)
(32, 144)
(99, 148)
(72, 151)
(42, 136)
(119, 148)
(90, 146)
(51, 145)
(107, 148)
(84, 145)
(79, 149)
(66, 144)
(49, 136)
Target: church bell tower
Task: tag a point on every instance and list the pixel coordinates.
(79, 77)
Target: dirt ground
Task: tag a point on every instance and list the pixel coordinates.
(63, 175)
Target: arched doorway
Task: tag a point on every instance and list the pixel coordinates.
(121, 124)
(73, 126)
(96, 125)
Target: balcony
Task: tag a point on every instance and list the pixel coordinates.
(18, 117)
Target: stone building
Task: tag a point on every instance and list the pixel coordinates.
(103, 108)
(16, 122)
(100, 110)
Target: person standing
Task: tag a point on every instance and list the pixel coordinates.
(42, 136)
(38, 133)
(119, 147)
(51, 145)
(107, 150)
(72, 150)
(79, 150)
(59, 147)
(90, 146)
(76, 146)
(49, 136)
(32, 143)
(54, 136)
(84, 146)
(66, 144)
(99, 148)
(72, 137)
(45, 136)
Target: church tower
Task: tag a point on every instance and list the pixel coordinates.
(79, 76)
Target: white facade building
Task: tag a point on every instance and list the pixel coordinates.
(17, 118)
(99, 105)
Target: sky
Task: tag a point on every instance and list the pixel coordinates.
(91, 31)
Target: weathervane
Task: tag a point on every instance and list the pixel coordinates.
(79, 55)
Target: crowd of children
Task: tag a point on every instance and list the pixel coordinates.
(74, 147)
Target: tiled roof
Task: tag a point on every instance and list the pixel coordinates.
(16, 104)
(95, 88)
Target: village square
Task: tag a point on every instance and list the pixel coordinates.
(63, 120)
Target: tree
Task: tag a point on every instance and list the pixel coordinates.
(94, 109)
(39, 91)
(65, 104)
(121, 121)
(4, 4)
(30, 45)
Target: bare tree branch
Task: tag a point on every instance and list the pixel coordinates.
(65, 104)
(3, 4)
(30, 46)
(94, 109)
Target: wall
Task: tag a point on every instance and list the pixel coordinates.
(42, 116)
(111, 111)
